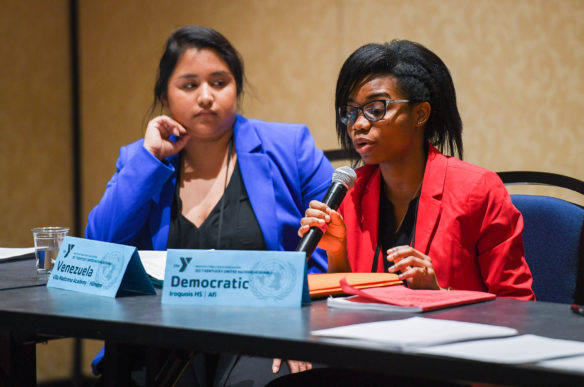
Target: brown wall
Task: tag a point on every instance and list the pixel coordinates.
(517, 67)
(35, 111)
(35, 135)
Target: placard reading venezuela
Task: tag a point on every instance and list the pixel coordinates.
(101, 268)
(235, 278)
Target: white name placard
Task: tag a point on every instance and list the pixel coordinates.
(101, 268)
(235, 278)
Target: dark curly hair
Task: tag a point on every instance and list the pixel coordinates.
(420, 74)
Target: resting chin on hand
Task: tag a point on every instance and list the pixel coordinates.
(295, 366)
(415, 268)
(157, 138)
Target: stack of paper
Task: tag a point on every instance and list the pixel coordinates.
(16, 253)
(480, 342)
(416, 332)
(572, 364)
(519, 349)
(154, 263)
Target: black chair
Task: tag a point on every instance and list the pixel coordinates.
(553, 237)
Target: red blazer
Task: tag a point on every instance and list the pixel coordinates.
(466, 223)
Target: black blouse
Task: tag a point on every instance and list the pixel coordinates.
(239, 231)
(388, 235)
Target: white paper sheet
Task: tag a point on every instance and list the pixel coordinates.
(8, 253)
(571, 364)
(343, 302)
(511, 350)
(416, 332)
(154, 263)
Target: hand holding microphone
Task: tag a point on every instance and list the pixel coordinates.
(321, 213)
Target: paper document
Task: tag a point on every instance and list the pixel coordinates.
(154, 263)
(510, 350)
(416, 332)
(571, 364)
(9, 254)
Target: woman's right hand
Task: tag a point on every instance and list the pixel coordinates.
(319, 214)
(157, 138)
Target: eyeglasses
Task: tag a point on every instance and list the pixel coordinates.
(373, 111)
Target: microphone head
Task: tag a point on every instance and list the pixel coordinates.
(345, 175)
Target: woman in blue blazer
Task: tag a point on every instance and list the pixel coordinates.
(205, 177)
(281, 170)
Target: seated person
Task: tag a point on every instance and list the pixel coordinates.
(205, 177)
(439, 222)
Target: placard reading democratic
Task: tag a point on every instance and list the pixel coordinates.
(235, 278)
(99, 268)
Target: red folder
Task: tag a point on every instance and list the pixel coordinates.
(415, 299)
(328, 284)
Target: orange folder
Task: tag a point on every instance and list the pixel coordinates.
(322, 285)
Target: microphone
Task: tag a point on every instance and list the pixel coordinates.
(343, 179)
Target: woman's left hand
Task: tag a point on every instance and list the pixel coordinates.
(295, 366)
(416, 268)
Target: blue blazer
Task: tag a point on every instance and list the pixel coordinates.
(282, 171)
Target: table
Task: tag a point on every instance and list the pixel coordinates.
(16, 349)
(20, 273)
(280, 332)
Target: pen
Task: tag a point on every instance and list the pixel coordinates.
(578, 309)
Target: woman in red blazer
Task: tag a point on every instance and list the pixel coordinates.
(435, 220)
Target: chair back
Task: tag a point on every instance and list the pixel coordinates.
(339, 157)
(552, 236)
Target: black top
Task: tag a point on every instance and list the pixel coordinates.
(239, 231)
(388, 235)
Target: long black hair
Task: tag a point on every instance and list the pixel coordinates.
(196, 37)
(420, 74)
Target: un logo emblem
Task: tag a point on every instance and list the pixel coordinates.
(272, 279)
(109, 271)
